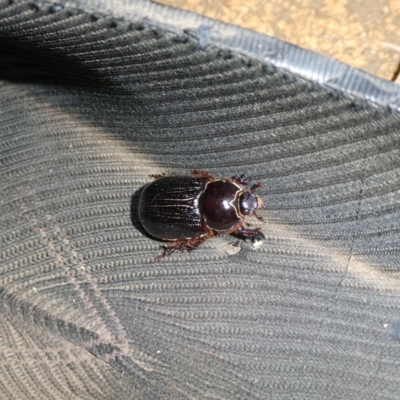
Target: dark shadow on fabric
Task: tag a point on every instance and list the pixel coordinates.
(30, 64)
(135, 212)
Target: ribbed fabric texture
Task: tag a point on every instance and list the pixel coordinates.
(89, 107)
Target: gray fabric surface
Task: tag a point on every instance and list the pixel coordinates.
(90, 106)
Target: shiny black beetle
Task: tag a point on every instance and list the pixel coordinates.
(190, 209)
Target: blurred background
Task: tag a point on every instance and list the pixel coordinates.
(362, 33)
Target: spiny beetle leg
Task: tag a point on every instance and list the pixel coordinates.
(241, 180)
(255, 187)
(190, 244)
(204, 174)
(180, 245)
(252, 234)
(167, 251)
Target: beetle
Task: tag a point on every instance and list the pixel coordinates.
(189, 209)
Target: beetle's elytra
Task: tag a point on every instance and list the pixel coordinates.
(191, 209)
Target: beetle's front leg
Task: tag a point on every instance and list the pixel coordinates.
(255, 187)
(255, 235)
(241, 180)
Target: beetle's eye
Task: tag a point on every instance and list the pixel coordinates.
(248, 203)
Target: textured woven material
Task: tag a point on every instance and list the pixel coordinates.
(89, 107)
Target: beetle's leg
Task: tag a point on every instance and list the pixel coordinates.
(241, 180)
(253, 234)
(204, 174)
(191, 244)
(181, 245)
(244, 181)
(165, 253)
(255, 187)
(168, 250)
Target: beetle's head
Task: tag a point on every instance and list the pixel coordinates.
(248, 203)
